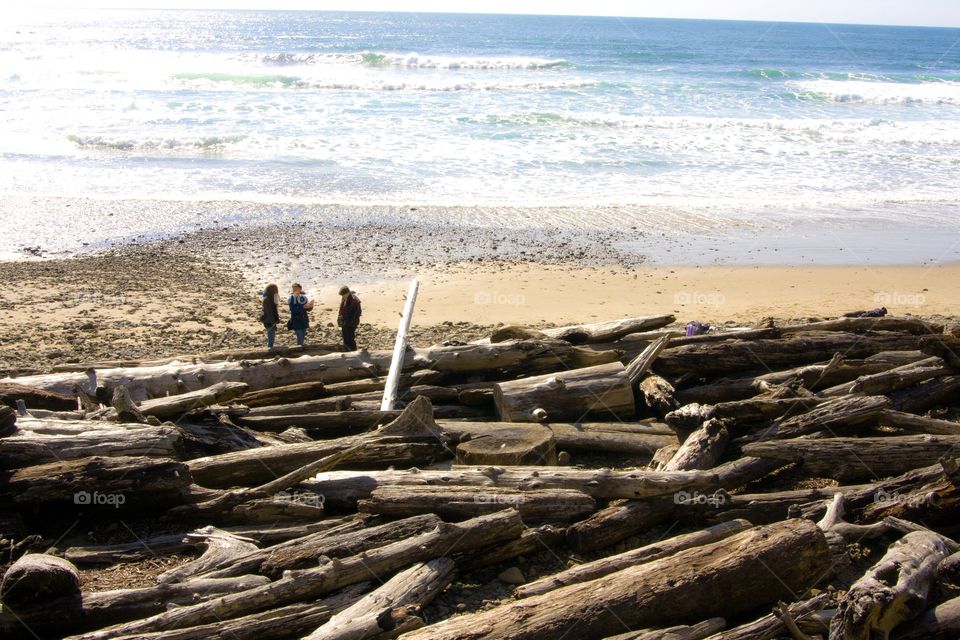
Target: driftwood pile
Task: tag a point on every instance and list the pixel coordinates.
(311, 513)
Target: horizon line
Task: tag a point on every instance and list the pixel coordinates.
(494, 13)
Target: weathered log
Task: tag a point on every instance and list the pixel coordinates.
(697, 631)
(610, 564)
(35, 398)
(536, 506)
(291, 621)
(121, 482)
(745, 469)
(631, 437)
(530, 542)
(173, 406)
(942, 622)
(525, 444)
(54, 441)
(179, 377)
(916, 326)
(918, 424)
(311, 583)
(374, 614)
(771, 626)
(219, 546)
(603, 391)
(658, 394)
(857, 458)
(340, 542)
(36, 578)
(927, 395)
(411, 437)
(227, 355)
(345, 488)
(702, 449)
(319, 405)
(124, 408)
(355, 421)
(93, 610)
(723, 358)
(601, 332)
(618, 522)
(731, 576)
(744, 414)
(890, 380)
(8, 421)
(893, 590)
(835, 417)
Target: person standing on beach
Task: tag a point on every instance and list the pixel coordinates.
(349, 317)
(270, 317)
(299, 306)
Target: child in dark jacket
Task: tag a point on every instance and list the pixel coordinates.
(299, 319)
(349, 317)
(270, 317)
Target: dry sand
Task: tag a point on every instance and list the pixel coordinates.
(157, 300)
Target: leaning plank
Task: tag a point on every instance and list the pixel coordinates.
(536, 506)
(892, 591)
(857, 458)
(311, 583)
(648, 553)
(728, 577)
(377, 612)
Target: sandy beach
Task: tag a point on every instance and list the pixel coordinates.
(162, 299)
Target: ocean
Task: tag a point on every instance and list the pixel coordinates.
(127, 124)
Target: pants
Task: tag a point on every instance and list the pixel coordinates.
(301, 335)
(271, 336)
(349, 338)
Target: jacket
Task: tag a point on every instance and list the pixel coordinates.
(350, 311)
(270, 315)
(298, 312)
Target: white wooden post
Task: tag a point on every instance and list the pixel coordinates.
(399, 349)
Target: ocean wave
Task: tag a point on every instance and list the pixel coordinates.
(884, 93)
(415, 61)
(154, 144)
(377, 83)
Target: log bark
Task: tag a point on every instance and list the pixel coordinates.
(601, 332)
(35, 398)
(307, 552)
(771, 626)
(93, 610)
(605, 566)
(851, 459)
(47, 441)
(90, 483)
(344, 488)
(745, 469)
(311, 583)
(603, 392)
(536, 506)
(942, 622)
(529, 444)
(530, 542)
(702, 449)
(636, 438)
(835, 417)
(691, 584)
(378, 612)
(618, 522)
(918, 424)
(893, 590)
(724, 358)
